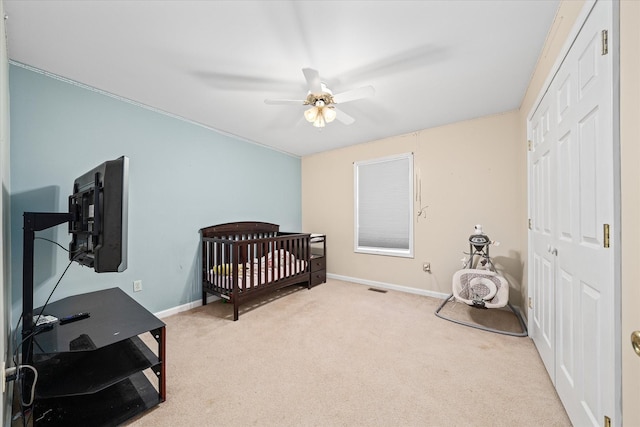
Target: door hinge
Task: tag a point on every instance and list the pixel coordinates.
(607, 421)
(530, 224)
(530, 303)
(529, 145)
(606, 235)
(605, 42)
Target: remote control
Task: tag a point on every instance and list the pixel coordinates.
(73, 318)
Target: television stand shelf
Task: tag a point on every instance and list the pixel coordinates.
(96, 371)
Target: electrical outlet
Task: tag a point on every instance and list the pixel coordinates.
(137, 285)
(426, 267)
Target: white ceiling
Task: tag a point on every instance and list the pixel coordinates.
(215, 62)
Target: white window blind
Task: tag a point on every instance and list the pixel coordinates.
(384, 205)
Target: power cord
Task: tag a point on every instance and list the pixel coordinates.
(51, 241)
(13, 373)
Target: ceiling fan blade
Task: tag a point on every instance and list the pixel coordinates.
(313, 80)
(343, 117)
(283, 102)
(354, 94)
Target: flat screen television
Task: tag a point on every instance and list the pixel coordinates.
(99, 212)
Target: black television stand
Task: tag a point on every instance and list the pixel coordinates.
(96, 371)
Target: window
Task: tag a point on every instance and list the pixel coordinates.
(384, 206)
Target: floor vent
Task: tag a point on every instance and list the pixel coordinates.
(382, 291)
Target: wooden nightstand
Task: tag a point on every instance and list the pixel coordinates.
(318, 259)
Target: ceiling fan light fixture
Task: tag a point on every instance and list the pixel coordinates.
(319, 122)
(319, 116)
(311, 114)
(329, 114)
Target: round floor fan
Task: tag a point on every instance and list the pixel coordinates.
(323, 102)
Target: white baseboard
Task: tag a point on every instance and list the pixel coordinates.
(401, 288)
(184, 307)
(390, 286)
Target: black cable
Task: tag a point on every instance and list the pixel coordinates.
(50, 294)
(51, 241)
(35, 331)
(57, 283)
(15, 352)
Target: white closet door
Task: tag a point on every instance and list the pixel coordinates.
(580, 197)
(541, 259)
(585, 374)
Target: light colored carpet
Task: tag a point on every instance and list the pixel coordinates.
(342, 355)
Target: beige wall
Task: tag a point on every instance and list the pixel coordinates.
(443, 156)
(467, 172)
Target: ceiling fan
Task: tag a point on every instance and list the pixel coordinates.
(322, 100)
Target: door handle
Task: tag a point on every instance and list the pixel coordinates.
(635, 341)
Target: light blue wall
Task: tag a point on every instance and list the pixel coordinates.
(182, 177)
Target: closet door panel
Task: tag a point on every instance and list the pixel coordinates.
(567, 326)
(566, 184)
(591, 330)
(590, 232)
(541, 197)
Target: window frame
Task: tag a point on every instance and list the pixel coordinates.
(405, 253)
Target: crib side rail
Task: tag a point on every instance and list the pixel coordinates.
(249, 262)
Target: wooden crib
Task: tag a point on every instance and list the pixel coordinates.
(244, 260)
